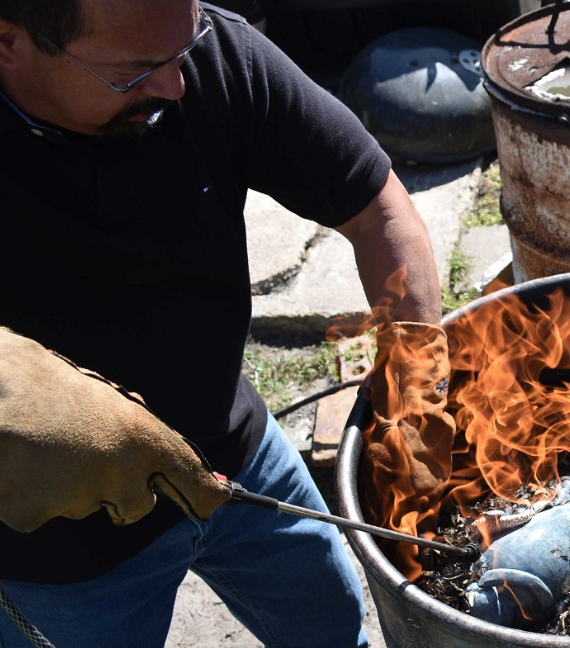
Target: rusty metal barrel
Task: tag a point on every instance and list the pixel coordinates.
(408, 616)
(526, 68)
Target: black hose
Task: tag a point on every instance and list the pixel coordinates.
(28, 629)
(311, 399)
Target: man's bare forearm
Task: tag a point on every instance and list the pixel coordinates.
(394, 257)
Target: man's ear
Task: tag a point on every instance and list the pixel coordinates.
(11, 38)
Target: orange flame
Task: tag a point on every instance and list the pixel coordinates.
(510, 398)
(407, 461)
(509, 395)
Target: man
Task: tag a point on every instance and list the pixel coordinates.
(131, 130)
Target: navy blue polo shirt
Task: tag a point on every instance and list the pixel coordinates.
(130, 257)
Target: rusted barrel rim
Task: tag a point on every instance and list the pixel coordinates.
(375, 564)
(544, 51)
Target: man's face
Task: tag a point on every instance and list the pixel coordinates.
(125, 38)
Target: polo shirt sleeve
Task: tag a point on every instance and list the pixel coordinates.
(308, 150)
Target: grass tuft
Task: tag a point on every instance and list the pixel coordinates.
(487, 210)
(280, 373)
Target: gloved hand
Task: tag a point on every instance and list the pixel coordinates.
(528, 572)
(511, 598)
(406, 459)
(71, 443)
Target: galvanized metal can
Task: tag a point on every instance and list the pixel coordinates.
(408, 616)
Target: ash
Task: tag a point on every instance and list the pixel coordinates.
(447, 579)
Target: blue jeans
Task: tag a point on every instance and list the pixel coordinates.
(287, 579)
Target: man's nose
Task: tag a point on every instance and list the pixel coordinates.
(166, 83)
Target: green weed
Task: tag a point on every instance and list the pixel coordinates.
(451, 298)
(280, 373)
(487, 210)
(459, 266)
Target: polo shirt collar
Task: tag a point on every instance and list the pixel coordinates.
(12, 117)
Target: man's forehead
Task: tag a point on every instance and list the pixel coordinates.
(124, 6)
(107, 16)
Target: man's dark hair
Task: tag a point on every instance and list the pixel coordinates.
(59, 20)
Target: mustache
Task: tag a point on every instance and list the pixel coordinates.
(152, 105)
(120, 126)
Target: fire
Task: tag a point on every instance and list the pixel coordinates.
(510, 398)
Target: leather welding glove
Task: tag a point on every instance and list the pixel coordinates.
(406, 461)
(71, 442)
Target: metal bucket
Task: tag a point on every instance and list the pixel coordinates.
(409, 617)
(524, 64)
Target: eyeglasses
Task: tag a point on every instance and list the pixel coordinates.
(206, 26)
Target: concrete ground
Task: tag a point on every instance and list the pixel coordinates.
(304, 275)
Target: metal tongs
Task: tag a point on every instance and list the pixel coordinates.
(240, 495)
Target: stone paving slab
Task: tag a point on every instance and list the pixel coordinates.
(489, 252)
(442, 195)
(277, 241)
(327, 285)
